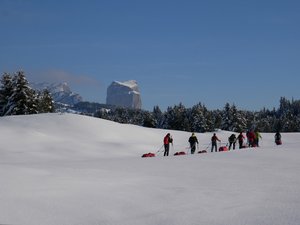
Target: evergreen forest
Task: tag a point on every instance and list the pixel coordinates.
(199, 119)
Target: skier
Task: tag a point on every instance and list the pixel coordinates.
(167, 140)
(278, 138)
(214, 140)
(193, 142)
(232, 140)
(241, 140)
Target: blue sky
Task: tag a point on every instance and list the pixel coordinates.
(246, 53)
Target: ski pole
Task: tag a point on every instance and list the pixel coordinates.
(159, 150)
(207, 146)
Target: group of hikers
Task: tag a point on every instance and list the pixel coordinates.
(252, 139)
(251, 135)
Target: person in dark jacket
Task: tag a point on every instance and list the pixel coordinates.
(278, 138)
(193, 142)
(214, 140)
(241, 138)
(167, 140)
(232, 141)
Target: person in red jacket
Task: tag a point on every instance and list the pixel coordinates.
(167, 140)
(214, 140)
(251, 139)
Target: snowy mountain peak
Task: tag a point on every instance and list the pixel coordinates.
(60, 92)
(124, 94)
(61, 87)
(132, 84)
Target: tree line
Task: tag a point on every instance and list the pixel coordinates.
(18, 98)
(199, 119)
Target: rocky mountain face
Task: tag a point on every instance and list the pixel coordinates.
(61, 92)
(124, 94)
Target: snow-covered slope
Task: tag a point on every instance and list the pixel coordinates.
(69, 169)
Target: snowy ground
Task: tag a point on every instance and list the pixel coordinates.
(76, 170)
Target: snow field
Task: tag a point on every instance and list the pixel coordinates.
(76, 170)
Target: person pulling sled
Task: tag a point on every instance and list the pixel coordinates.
(214, 140)
(167, 141)
(278, 138)
(232, 141)
(193, 142)
(241, 138)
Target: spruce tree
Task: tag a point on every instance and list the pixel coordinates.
(148, 120)
(45, 102)
(23, 99)
(6, 91)
(158, 117)
(227, 118)
(198, 120)
(176, 118)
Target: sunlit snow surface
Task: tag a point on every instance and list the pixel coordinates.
(65, 169)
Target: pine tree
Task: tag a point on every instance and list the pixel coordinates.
(239, 120)
(216, 119)
(23, 100)
(208, 115)
(232, 119)
(198, 120)
(148, 120)
(6, 91)
(45, 102)
(176, 118)
(227, 118)
(32, 102)
(158, 117)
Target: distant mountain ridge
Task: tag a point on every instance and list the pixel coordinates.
(61, 92)
(119, 94)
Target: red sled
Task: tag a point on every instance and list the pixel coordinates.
(278, 142)
(148, 155)
(223, 149)
(203, 151)
(180, 153)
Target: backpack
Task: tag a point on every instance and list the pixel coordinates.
(277, 136)
(232, 138)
